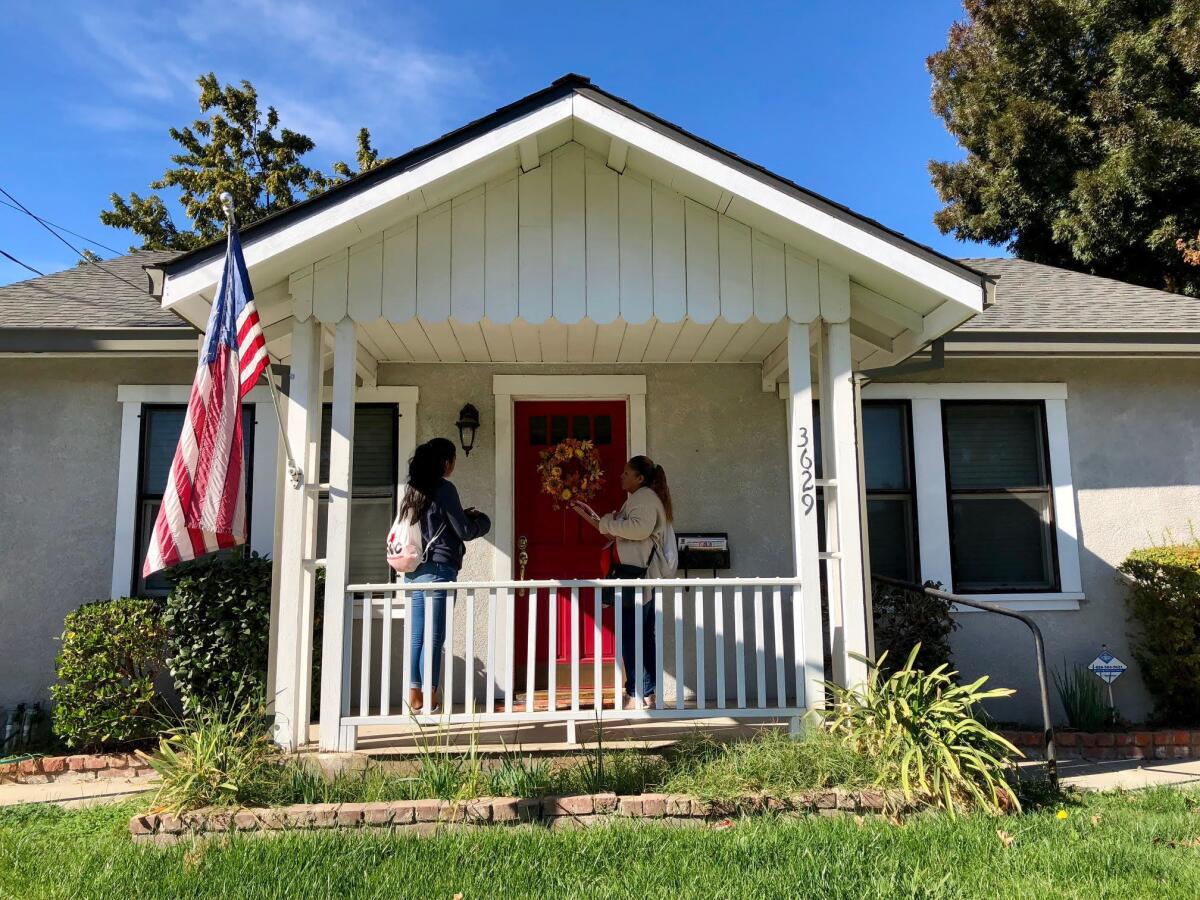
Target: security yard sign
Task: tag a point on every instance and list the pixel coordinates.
(1107, 667)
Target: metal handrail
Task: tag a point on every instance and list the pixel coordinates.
(1039, 649)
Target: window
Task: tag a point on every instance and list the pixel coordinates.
(891, 499)
(160, 428)
(999, 492)
(891, 502)
(373, 494)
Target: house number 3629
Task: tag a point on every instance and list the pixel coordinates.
(807, 498)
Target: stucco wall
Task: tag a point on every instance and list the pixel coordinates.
(59, 448)
(1134, 430)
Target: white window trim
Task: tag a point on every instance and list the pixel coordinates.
(266, 438)
(509, 388)
(929, 463)
(266, 447)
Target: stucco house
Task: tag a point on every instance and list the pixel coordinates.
(826, 395)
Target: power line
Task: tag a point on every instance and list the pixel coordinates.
(19, 263)
(82, 237)
(76, 250)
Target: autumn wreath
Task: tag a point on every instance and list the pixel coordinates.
(570, 472)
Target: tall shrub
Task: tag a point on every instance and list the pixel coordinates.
(218, 616)
(905, 619)
(111, 652)
(1164, 602)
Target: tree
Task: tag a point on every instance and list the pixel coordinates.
(1081, 123)
(240, 149)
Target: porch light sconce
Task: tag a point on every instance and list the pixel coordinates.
(468, 424)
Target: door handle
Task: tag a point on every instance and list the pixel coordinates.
(522, 558)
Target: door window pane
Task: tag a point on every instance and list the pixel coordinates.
(558, 429)
(603, 429)
(1001, 507)
(537, 430)
(581, 428)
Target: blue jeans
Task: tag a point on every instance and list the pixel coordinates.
(427, 573)
(629, 611)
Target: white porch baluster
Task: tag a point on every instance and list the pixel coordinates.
(574, 649)
(739, 646)
(491, 652)
(699, 595)
(617, 681)
(660, 699)
(510, 619)
(639, 631)
(335, 675)
(597, 656)
(364, 664)
(469, 657)
(530, 648)
(780, 659)
(385, 667)
(719, 642)
(427, 655)
(678, 598)
(448, 655)
(552, 650)
(760, 646)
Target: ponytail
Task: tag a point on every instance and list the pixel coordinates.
(654, 478)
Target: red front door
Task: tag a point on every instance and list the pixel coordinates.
(559, 543)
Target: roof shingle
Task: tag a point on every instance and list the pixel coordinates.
(86, 297)
(1035, 297)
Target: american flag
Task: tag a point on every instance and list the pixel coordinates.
(204, 506)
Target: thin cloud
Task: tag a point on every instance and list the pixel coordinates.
(327, 72)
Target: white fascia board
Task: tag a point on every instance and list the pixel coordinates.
(966, 291)
(184, 285)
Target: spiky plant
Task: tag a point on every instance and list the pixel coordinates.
(923, 730)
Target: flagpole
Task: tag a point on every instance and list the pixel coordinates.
(294, 472)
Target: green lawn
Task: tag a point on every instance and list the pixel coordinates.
(1118, 845)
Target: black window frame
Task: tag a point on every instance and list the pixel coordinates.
(1054, 585)
(137, 586)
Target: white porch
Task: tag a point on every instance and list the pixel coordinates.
(562, 237)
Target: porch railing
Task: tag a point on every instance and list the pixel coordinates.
(722, 647)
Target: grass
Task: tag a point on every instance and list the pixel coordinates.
(1115, 845)
(771, 762)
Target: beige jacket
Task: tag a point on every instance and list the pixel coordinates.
(638, 527)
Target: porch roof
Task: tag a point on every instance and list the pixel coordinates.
(798, 255)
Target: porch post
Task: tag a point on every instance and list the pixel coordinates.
(335, 699)
(840, 432)
(296, 536)
(810, 656)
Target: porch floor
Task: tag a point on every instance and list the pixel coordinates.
(544, 737)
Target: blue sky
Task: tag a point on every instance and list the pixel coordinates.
(832, 95)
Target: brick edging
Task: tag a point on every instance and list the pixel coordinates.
(1166, 743)
(425, 817)
(80, 767)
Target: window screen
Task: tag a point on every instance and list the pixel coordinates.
(1001, 507)
(373, 494)
(161, 425)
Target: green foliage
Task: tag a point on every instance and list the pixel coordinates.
(1164, 602)
(1082, 696)
(920, 727)
(217, 757)
(218, 618)
(1081, 126)
(238, 148)
(111, 652)
(905, 619)
(772, 763)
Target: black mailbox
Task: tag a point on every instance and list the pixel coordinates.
(703, 550)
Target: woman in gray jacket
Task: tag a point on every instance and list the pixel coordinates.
(639, 530)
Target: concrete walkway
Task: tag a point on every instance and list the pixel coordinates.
(78, 793)
(1127, 774)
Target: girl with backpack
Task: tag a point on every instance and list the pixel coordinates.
(643, 546)
(427, 544)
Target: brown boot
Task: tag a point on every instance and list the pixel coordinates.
(416, 700)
